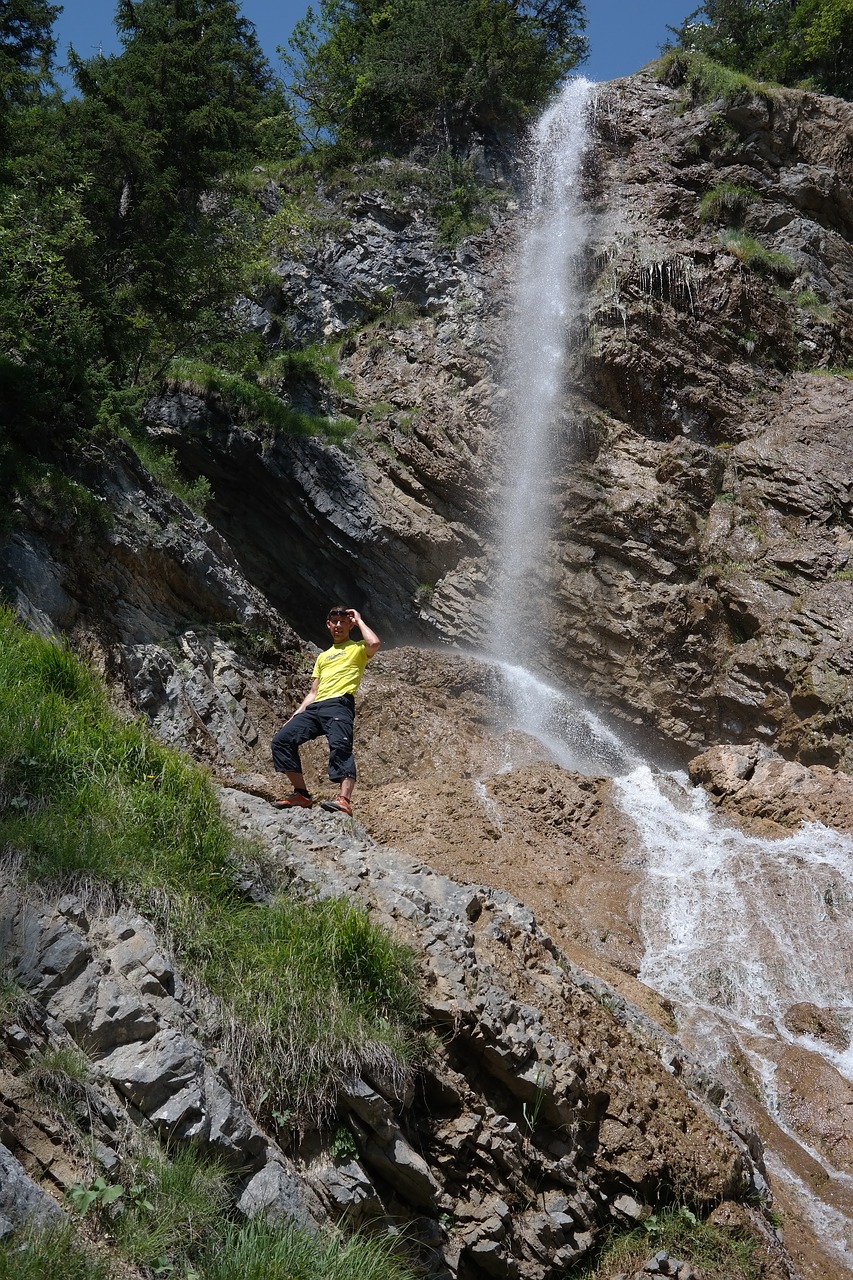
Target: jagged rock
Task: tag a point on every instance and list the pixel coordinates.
(279, 1193)
(349, 1192)
(22, 1201)
(756, 783)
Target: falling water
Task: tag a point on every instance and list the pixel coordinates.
(546, 304)
(736, 929)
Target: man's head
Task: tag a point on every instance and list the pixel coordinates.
(340, 622)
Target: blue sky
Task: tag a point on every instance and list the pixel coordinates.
(624, 34)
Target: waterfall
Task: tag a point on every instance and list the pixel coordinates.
(736, 929)
(547, 301)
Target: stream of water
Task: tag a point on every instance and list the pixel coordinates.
(736, 929)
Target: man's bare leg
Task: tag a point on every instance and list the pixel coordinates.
(347, 787)
(297, 781)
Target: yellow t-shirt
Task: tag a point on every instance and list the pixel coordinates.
(340, 669)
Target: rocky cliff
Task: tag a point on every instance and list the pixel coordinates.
(698, 573)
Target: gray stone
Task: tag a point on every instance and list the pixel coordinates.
(22, 1201)
(152, 1072)
(279, 1193)
(409, 1174)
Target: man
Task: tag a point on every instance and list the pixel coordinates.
(328, 708)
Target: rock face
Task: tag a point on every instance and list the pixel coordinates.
(701, 565)
(697, 574)
(382, 519)
(549, 1109)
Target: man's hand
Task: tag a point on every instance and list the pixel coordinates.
(368, 635)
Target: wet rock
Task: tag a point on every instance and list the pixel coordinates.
(756, 783)
(807, 1019)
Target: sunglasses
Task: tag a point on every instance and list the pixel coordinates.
(338, 613)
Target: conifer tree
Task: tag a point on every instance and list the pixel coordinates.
(393, 73)
(160, 127)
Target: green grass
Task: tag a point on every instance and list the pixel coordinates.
(251, 400)
(808, 301)
(258, 1251)
(720, 1253)
(164, 467)
(48, 1255)
(171, 1216)
(725, 203)
(315, 989)
(171, 1207)
(756, 257)
(708, 81)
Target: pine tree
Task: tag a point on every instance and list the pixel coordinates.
(392, 73)
(161, 126)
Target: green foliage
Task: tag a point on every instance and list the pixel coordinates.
(758, 258)
(174, 1203)
(707, 80)
(249, 398)
(26, 49)
(725, 203)
(790, 41)
(159, 126)
(394, 73)
(720, 1253)
(100, 1193)
(163, 465)
(319, 989)
(260, 1251)
(46, 1254)
(462, 208)
(342, 1146)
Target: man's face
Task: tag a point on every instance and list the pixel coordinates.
(340, 624)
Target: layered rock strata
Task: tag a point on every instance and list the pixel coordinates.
(548, 1109)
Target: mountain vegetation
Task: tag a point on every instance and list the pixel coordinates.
(805, 43)
(417, 72)
(129, 221)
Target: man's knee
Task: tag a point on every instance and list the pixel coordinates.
(284, 748)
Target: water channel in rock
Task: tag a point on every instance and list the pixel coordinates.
(736, 929)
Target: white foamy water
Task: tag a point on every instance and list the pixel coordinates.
(547, 302)
(736, 923)
(573, 735)
(736, 929)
